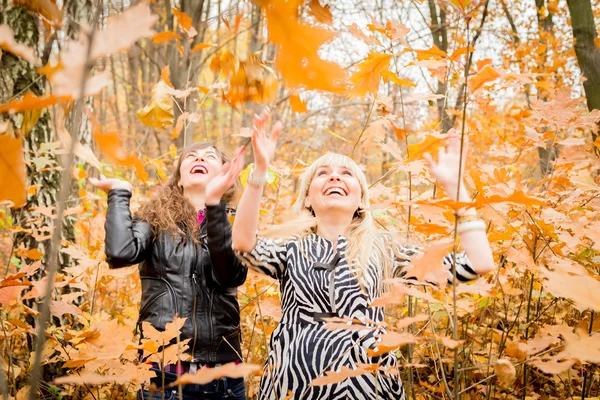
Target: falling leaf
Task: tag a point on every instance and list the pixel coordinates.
(357, 32)
(297, 104)
(8, 43)
(31, 102)
(430, 145)
(251, 82)
(206, 375)
(158, 113)
(486, 75)
(12, 171)
(163, 37)
(505, 372)
(337, 377)
(201, 46)
(183, 19)
(110, 145)
(81, 151)
(366, 80)
(298, 59)
(320, 12)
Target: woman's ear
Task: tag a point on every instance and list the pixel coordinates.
(306, 203)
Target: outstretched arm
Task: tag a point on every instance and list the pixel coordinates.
(245, 225)
(126, 240)
(471, 229)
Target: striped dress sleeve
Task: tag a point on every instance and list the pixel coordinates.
(402, 263)
(267, 257)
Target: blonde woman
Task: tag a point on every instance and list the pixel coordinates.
(336, 270)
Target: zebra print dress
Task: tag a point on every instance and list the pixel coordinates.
(301, 349)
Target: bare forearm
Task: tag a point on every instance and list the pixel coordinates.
(245, 224)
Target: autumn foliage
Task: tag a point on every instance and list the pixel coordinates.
(381, 88)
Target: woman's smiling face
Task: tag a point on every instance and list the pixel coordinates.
(334, 187)
(199, 167)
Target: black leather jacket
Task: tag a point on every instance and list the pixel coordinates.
(195, 281)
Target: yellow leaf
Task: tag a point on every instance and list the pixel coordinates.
(433, 52)
(158, 113)
(297, 104)
(30, 118)
(366, 80)
(461, 3)
(12, 171)
(251, 82)
(487, 74)
(390, 76)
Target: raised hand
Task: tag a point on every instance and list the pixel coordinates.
(220, 183)
(264, 147)
(107, 184)
(446, 170)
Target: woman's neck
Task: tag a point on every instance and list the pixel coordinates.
(198, 199)
(331, 228)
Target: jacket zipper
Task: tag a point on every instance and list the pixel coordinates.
(194, 313)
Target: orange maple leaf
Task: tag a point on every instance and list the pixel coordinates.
(487, 74)
(433, 52)
(366, 80)
(163, 37)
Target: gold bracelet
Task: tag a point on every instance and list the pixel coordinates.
(469, 217)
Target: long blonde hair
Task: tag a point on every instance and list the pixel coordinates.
(366, 244)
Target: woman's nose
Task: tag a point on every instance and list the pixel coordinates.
(334, 177)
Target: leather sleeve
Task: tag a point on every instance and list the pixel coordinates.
(227, 269)
(127, 241)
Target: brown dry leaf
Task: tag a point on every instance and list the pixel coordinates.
(584, 347)
(81, 151)
(505, 372)
(449, 342)
(429, 267)
(376, 132)
(486, 75)
(90, 378)
(298, 59)
(404, 322)
(390, 341)
(206, 375)
(556, 364)
(8, 43)
(517, 350)
(366, 80)
(337, 377)
(357, 32)
(10, 294)
(584, 291)
(398, 291)
(12, 171)
(45, 8)
(480, 287)
(271, 306)
(58, 308)
(158, 113)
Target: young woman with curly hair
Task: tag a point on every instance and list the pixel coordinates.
(182, 241)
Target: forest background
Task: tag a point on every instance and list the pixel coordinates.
(119, 88)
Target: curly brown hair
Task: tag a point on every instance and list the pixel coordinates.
(169, 210)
